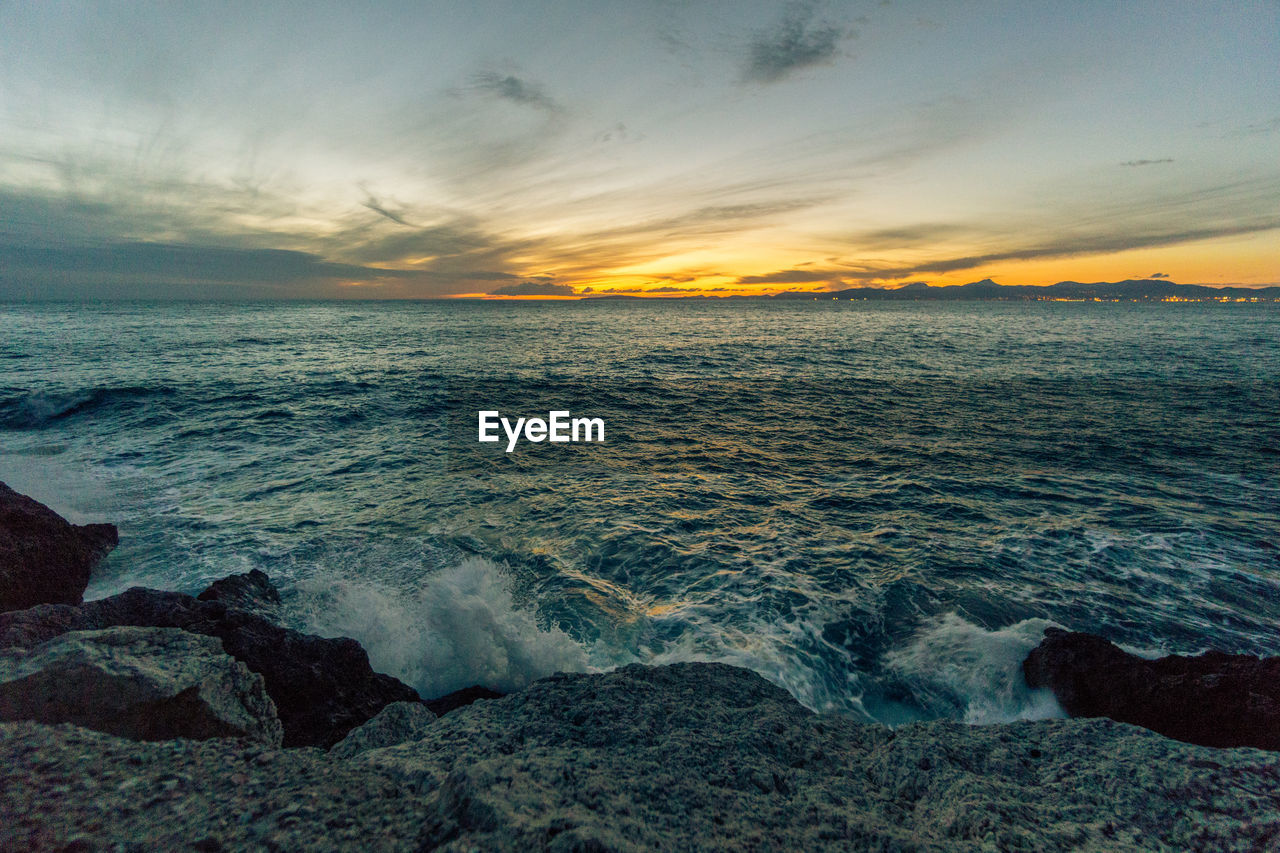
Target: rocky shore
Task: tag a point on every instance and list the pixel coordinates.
(155, 720)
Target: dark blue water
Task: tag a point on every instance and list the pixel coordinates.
(878, 506)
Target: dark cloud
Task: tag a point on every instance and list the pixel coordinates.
(792, 277)
(378, 208)
(670, 289)
(618, 134)
(1147, 162)
(1084, 245)
(440, 242)
(1158, 275)
(60, 245)
(921, 234)
(534, 288)
(171, 270)
(1270, 126)
(1087, 245)
(796, 42)
(512, 88)
(199, 263)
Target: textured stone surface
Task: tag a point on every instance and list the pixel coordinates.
(139, 683)
(44, 559)
(461, 699)
(252, 592)
(687, 757)
(397, 723)
(322, 687)
(1213, 699)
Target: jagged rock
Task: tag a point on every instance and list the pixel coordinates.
(322, 687)
(396, 723)
(252, 592)
(1213, 699)
(461, 699)
(44, 559)
(686, 757)
(138, 683)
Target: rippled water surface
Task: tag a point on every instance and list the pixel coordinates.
(878, 506)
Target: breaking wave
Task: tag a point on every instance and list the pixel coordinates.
(966, 671)
(463, 627)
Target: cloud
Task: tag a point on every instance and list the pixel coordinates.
(512, 88)
(670, 289)
(534, 288)
(919, 234)
(1158, 275)
(150, 270)
(170, 242)
(198, 263)
(1147, 162)
(1099, 244)
(1270, 126)
(797, 42)
(793, 277)
(377, 207)
(1088, 245)
(448, 240)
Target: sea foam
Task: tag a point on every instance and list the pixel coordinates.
(462, 627)
(957, 666)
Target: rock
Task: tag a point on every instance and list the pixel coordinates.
(1213, 699)
(322, 687)
(138, 683)
(685, 757)
(44, 559)
(252, 592)
(396, 723)
(461, 699)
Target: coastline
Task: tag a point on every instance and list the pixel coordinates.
(687, 756)
(682, 756)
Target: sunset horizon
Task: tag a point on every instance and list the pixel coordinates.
(640, 425)
(705, 149)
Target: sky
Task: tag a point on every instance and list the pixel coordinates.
(391, 150)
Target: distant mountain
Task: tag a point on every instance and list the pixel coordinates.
(1131, 290)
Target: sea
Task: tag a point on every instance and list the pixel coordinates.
(877, 506)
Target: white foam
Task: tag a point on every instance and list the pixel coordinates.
(463, 627)
(952, 662)
(788, 653)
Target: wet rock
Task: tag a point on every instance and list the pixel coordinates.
(397, 723)
(461, 699)
(44, 559)
(685, 757)
(138, 683)
(322, 687)
(1213, 699)
(252, 592)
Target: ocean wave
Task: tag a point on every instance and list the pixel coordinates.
(958, 669)
(463, 627)
(790, 653)
(36, 409)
